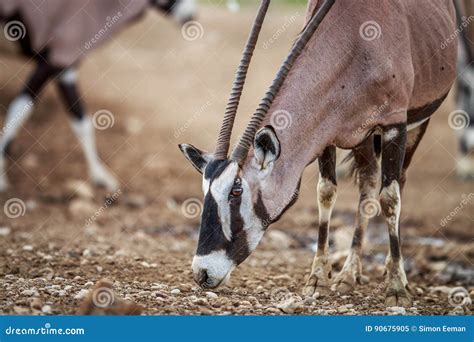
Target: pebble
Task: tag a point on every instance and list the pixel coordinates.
(399, 310)
(4, 231)
(28, 248)
(291, 305)
(210, 294)
(135, 201)
(46, 309)
(29, 293)
(81, 294)
(36, 303)
(80, 189)
(175, 291)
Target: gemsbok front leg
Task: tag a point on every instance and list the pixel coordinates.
(83, 127)
(318, 280)
(366, 172)
(394, 140)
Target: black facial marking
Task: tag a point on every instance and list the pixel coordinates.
(261, 211)
(211, 236)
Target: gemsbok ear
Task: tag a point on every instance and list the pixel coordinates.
(199, 159)
(266, 147)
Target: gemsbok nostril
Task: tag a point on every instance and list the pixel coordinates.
(201, 277)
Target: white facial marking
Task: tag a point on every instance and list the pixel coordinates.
(390, 134)
(84, 131)
(69, 76)
(205, 185)
(252, 224)
(184, 9)
(217, 264)
(220, 190)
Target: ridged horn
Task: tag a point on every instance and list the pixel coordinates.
(241, 150)
(223, 141)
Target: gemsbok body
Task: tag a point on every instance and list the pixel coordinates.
(57, 34)
(362, 75)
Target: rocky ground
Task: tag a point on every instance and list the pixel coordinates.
(71, 245)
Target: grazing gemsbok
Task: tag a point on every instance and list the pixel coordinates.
(57, 34)
(373, 95)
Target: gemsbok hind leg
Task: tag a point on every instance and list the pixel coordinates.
(394, 140)
(365, 168)
(318, 280)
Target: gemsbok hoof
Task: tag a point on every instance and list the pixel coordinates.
(397, 294)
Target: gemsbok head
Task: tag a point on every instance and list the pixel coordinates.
(237, 188)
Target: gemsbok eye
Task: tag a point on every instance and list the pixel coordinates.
(236, 188)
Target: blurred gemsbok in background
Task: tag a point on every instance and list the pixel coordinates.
(369, 81)
(57, 34)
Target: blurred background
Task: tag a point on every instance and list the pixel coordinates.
(164, 86)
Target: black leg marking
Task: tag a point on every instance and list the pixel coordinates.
(71, 98)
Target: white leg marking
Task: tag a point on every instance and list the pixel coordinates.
(69, 76)
(184, 10)
(18, 112)
(84, 130)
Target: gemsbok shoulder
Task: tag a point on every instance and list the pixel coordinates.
(367, 80)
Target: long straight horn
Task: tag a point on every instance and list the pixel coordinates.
(223, 141)
(241, 150)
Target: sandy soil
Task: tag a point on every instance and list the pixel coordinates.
(164, 90)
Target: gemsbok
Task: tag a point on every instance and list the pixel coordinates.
(57, 34)
(368, 80)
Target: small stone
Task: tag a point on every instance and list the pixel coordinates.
(135, 201)
(81, 294)
(86, 253)
(457, 311)
(21, 310)
(398, 310)
(28, 248)
(81, 208)
(291, 305)
(145, 264)
(210, 294)
(342, 309)
(36, 303)
(175, 291)
(46, 309)
(419, 291)
(29, 293)
(4, 231)
(80, 189)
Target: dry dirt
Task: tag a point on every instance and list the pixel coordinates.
(163, 90)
